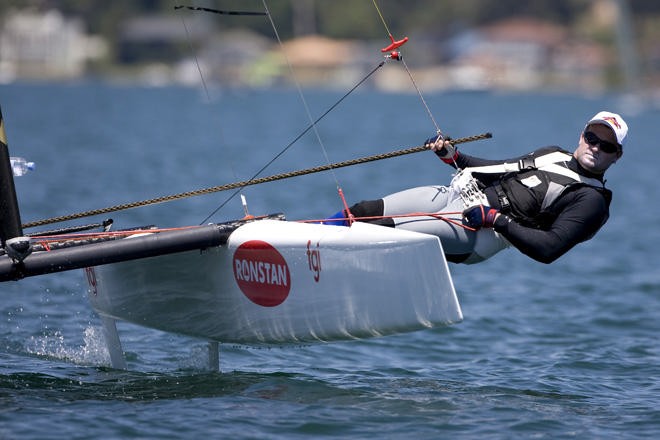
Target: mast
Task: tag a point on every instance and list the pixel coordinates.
(626, 46)
(10, 218)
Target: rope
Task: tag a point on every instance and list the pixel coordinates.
(410, 75)
(382, 19)
(311, 126)
(218, 11)
(313, 122)
(421, 98)
(242, 184)
(437, 215)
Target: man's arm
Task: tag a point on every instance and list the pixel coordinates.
(584, 213)
(451, 156)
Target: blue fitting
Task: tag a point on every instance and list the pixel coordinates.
(341, 219)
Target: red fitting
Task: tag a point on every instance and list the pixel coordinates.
(395, 55)
(395, 45)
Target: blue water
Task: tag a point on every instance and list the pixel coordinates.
(545, 351)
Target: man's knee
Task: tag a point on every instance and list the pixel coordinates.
(368, 208)
(371, 211)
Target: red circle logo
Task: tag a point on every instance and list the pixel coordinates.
(261, 273)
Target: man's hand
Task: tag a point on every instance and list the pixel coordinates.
(480, 216)
(441, 146)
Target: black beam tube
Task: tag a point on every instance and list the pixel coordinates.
(115, 251)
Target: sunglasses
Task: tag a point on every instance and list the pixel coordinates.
(605, 146)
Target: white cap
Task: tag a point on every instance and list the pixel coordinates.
(614, 121)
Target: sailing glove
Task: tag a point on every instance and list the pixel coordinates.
(480, 216)
(447, 152)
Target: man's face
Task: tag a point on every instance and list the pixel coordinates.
(591, 157)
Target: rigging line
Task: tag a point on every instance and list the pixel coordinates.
(421, 97)
(444, 216)
(382, 19)
(218, 11)
(313, 122)
(235, 185)
(192, 50)
(414, 83)
(299, 89)
(203, 80)
(297, 138)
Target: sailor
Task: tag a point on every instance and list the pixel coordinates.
(543, 203)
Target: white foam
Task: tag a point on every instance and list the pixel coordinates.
(92, 352)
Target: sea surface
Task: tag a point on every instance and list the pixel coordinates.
(567, 350)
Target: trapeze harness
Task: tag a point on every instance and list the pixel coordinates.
(525, 190)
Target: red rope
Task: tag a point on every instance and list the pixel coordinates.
(45, 240)
(350, 217)
(81, 236)
(438, 215)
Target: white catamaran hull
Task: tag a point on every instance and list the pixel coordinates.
(286, 282)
